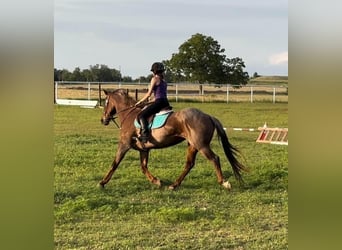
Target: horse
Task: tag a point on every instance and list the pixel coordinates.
(190, 124)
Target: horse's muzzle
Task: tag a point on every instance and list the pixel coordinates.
(105, 121)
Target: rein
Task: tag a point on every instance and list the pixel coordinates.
(132, 108)
(114, 116)
(113, 119)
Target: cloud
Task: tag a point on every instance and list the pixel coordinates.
(279, 58)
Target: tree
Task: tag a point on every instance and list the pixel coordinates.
(88, 75)
(77, 75)
(116, 75)
(201, 59)
(255, 75)
(127, 79)
(144, 79)
(62, 75)
(101, 73)
(56, 74)
(236, 75)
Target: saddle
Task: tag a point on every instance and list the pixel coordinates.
(157, 120)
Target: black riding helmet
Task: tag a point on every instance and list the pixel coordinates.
(157, 67)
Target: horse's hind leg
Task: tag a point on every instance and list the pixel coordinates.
(144, 161)
(190, 162)
(211, 156)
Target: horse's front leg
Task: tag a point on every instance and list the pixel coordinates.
(143, 162)
(120, 153)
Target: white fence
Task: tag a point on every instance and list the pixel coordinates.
(178, 92)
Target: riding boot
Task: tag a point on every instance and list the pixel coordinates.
(144, 132)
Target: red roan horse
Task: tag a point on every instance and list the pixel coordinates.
(189, 124)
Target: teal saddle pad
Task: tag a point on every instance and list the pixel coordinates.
(158, 120)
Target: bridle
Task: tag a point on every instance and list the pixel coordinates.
(113, 117)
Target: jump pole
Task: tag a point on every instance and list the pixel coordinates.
(277, 136)
(242, 129)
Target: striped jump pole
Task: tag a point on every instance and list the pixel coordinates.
(277, 136)
(242, 129)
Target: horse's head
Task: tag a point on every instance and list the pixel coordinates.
(109, 109)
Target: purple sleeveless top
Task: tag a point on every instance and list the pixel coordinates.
(160, 91)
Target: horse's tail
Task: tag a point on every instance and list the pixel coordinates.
(230, 151)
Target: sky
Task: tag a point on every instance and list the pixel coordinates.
(129, 35)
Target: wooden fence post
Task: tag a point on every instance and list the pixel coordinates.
(54, 92)
(99, 94)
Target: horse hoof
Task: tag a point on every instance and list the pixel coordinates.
(172, 187)
(157, 182)
(227, 185)
(101, 185)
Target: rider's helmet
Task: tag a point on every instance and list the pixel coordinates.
(157, 67)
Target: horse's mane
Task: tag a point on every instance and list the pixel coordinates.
(128, 99)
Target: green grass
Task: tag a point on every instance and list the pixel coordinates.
(270, 80)
(131, 213)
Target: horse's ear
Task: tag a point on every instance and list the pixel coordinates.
(105, 91)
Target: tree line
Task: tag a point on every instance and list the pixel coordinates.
(200, 59)
(95, 73)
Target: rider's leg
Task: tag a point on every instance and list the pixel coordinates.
(144, 132)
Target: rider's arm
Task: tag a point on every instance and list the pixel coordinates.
(154, 81)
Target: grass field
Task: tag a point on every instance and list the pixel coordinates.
(131, 213)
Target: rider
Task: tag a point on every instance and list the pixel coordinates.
(158, 87)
